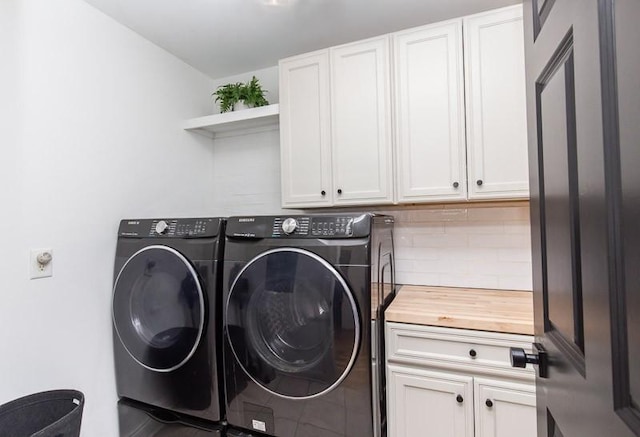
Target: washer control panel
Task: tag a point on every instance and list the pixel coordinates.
(170, 228)
(321, 226)
(300, 226)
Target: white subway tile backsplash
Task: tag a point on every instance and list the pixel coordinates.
(463, 254)
(473, 281)
(493, 214)
(439, 266)
(412, 278)
(522, 282)
(444, 240)
(479, 246)
(437, 215)
(402, 240)
(499, 240)
(415, 253)
(422, 228)
(474, 227)
(522, 254)
(487, 267)
(520, 227)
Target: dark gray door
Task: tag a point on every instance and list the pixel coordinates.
(583, 98)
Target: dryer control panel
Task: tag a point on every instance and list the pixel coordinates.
(170, 228)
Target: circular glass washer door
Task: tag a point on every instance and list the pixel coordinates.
(158, 308)
(292, 323)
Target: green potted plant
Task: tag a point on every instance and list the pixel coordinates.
(253, 94)
(228, 95)
(233, 95)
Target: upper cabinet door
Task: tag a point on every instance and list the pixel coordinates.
(361, 122)
(496, 106)
(429, 97)
(305, 134)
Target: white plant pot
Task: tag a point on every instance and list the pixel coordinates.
(241, 105)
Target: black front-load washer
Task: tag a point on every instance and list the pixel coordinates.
(167, 315)
(303, 304)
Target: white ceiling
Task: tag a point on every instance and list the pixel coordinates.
(227, 37)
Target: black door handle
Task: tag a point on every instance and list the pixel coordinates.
(519, 358)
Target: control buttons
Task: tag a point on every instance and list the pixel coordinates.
(289, 225)
(332, 227)
(162, 227)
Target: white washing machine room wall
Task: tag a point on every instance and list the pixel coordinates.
(166, 312)
(301, 299)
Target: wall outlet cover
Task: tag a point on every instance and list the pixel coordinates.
(36, 268)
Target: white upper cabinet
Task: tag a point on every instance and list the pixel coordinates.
(305, 137)
(361, 122)
(447, 103)
(495, 104)
(429, 109)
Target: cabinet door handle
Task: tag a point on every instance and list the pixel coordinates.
(489, 403)
(323, 192)
(473, 353)
(459, 399)
(479, 182)
(456, 185)
(339, 190)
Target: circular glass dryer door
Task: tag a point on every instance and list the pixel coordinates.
(158, 308)
(292, 323)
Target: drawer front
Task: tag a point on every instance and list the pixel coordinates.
(453, 347)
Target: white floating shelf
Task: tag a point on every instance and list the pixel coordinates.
(227, 122)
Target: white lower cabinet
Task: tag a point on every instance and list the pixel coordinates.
(504, 409)
(444, 382)
(429, 404)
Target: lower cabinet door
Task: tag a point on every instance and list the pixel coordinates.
(423, 403)
(505, 409)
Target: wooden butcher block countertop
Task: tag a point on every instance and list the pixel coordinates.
(466, 308)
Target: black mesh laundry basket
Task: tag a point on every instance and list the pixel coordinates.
(56, 413)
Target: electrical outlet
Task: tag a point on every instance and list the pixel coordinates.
(40, 263)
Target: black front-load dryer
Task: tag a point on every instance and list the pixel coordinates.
(166, 314)
(303, 303)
